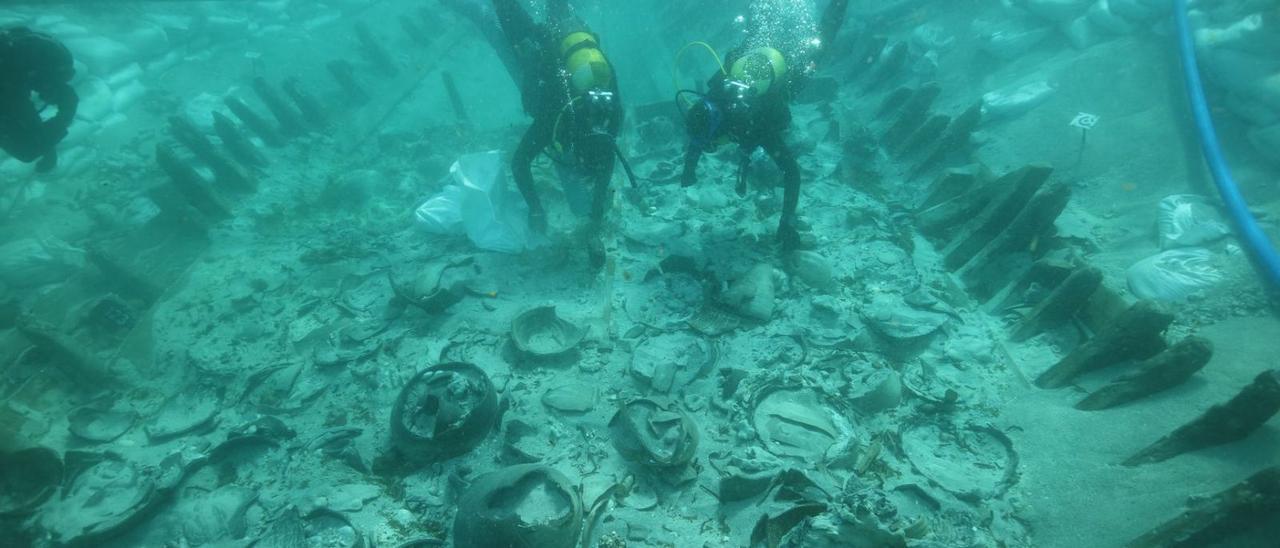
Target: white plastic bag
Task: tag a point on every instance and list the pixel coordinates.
(442, 214)
(479, 204)
(1009, 103)
(31, 262)
(1173, 275)
(1189, 220)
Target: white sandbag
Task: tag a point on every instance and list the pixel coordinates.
(1236, 32)
(1258, 34)
(95, 100)
(708, 197)
(166, 62)
(48, 20)
(113, 120)
(199, 110)
(125, 75)
(75, 161)
(126, 96)
(81, 131)
(931, 37)
(32, 262)
(1135, 10)
(1081, 33)
(226, 26)
(1012, 43)
(147, 41)
(1007, 103)
(82, 72)
(1173, 275)
(1187, 220)
(170, 21)
(100, 54)
(322, 20)
(65, 30)
(138, 211)
(1103, 18)
(1059, 11)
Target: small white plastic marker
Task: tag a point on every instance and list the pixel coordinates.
(1085, 122)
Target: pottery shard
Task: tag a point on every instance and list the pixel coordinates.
(894, 318)
(540, 332)
(796, 423)
(570, 398)
(99, 425)
(814, 270)
(752, 294)
(522, 505)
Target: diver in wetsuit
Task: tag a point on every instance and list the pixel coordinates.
(34, 62)
(568, 86)
(747, 103)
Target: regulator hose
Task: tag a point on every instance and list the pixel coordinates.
(1259, 247)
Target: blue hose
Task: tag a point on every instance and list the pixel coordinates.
(1255, 241)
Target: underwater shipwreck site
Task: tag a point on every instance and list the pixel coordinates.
(498, 273)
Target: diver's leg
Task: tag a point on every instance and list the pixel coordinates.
(599, 160)
(558, 11)
(601, 165)
(832, 20)
(786, 161)
(535, 140)
(516, 23)
(482, 15)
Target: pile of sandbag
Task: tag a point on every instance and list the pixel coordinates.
(1239, 53)
(1083, 22)
(1187, 225)
(1237, 41)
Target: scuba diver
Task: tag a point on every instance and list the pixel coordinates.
(34, 62)
(748, 104)
(568, 86)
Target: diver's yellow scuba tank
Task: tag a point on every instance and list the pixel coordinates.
(760, 70)
(585, 64)
(590, 79)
